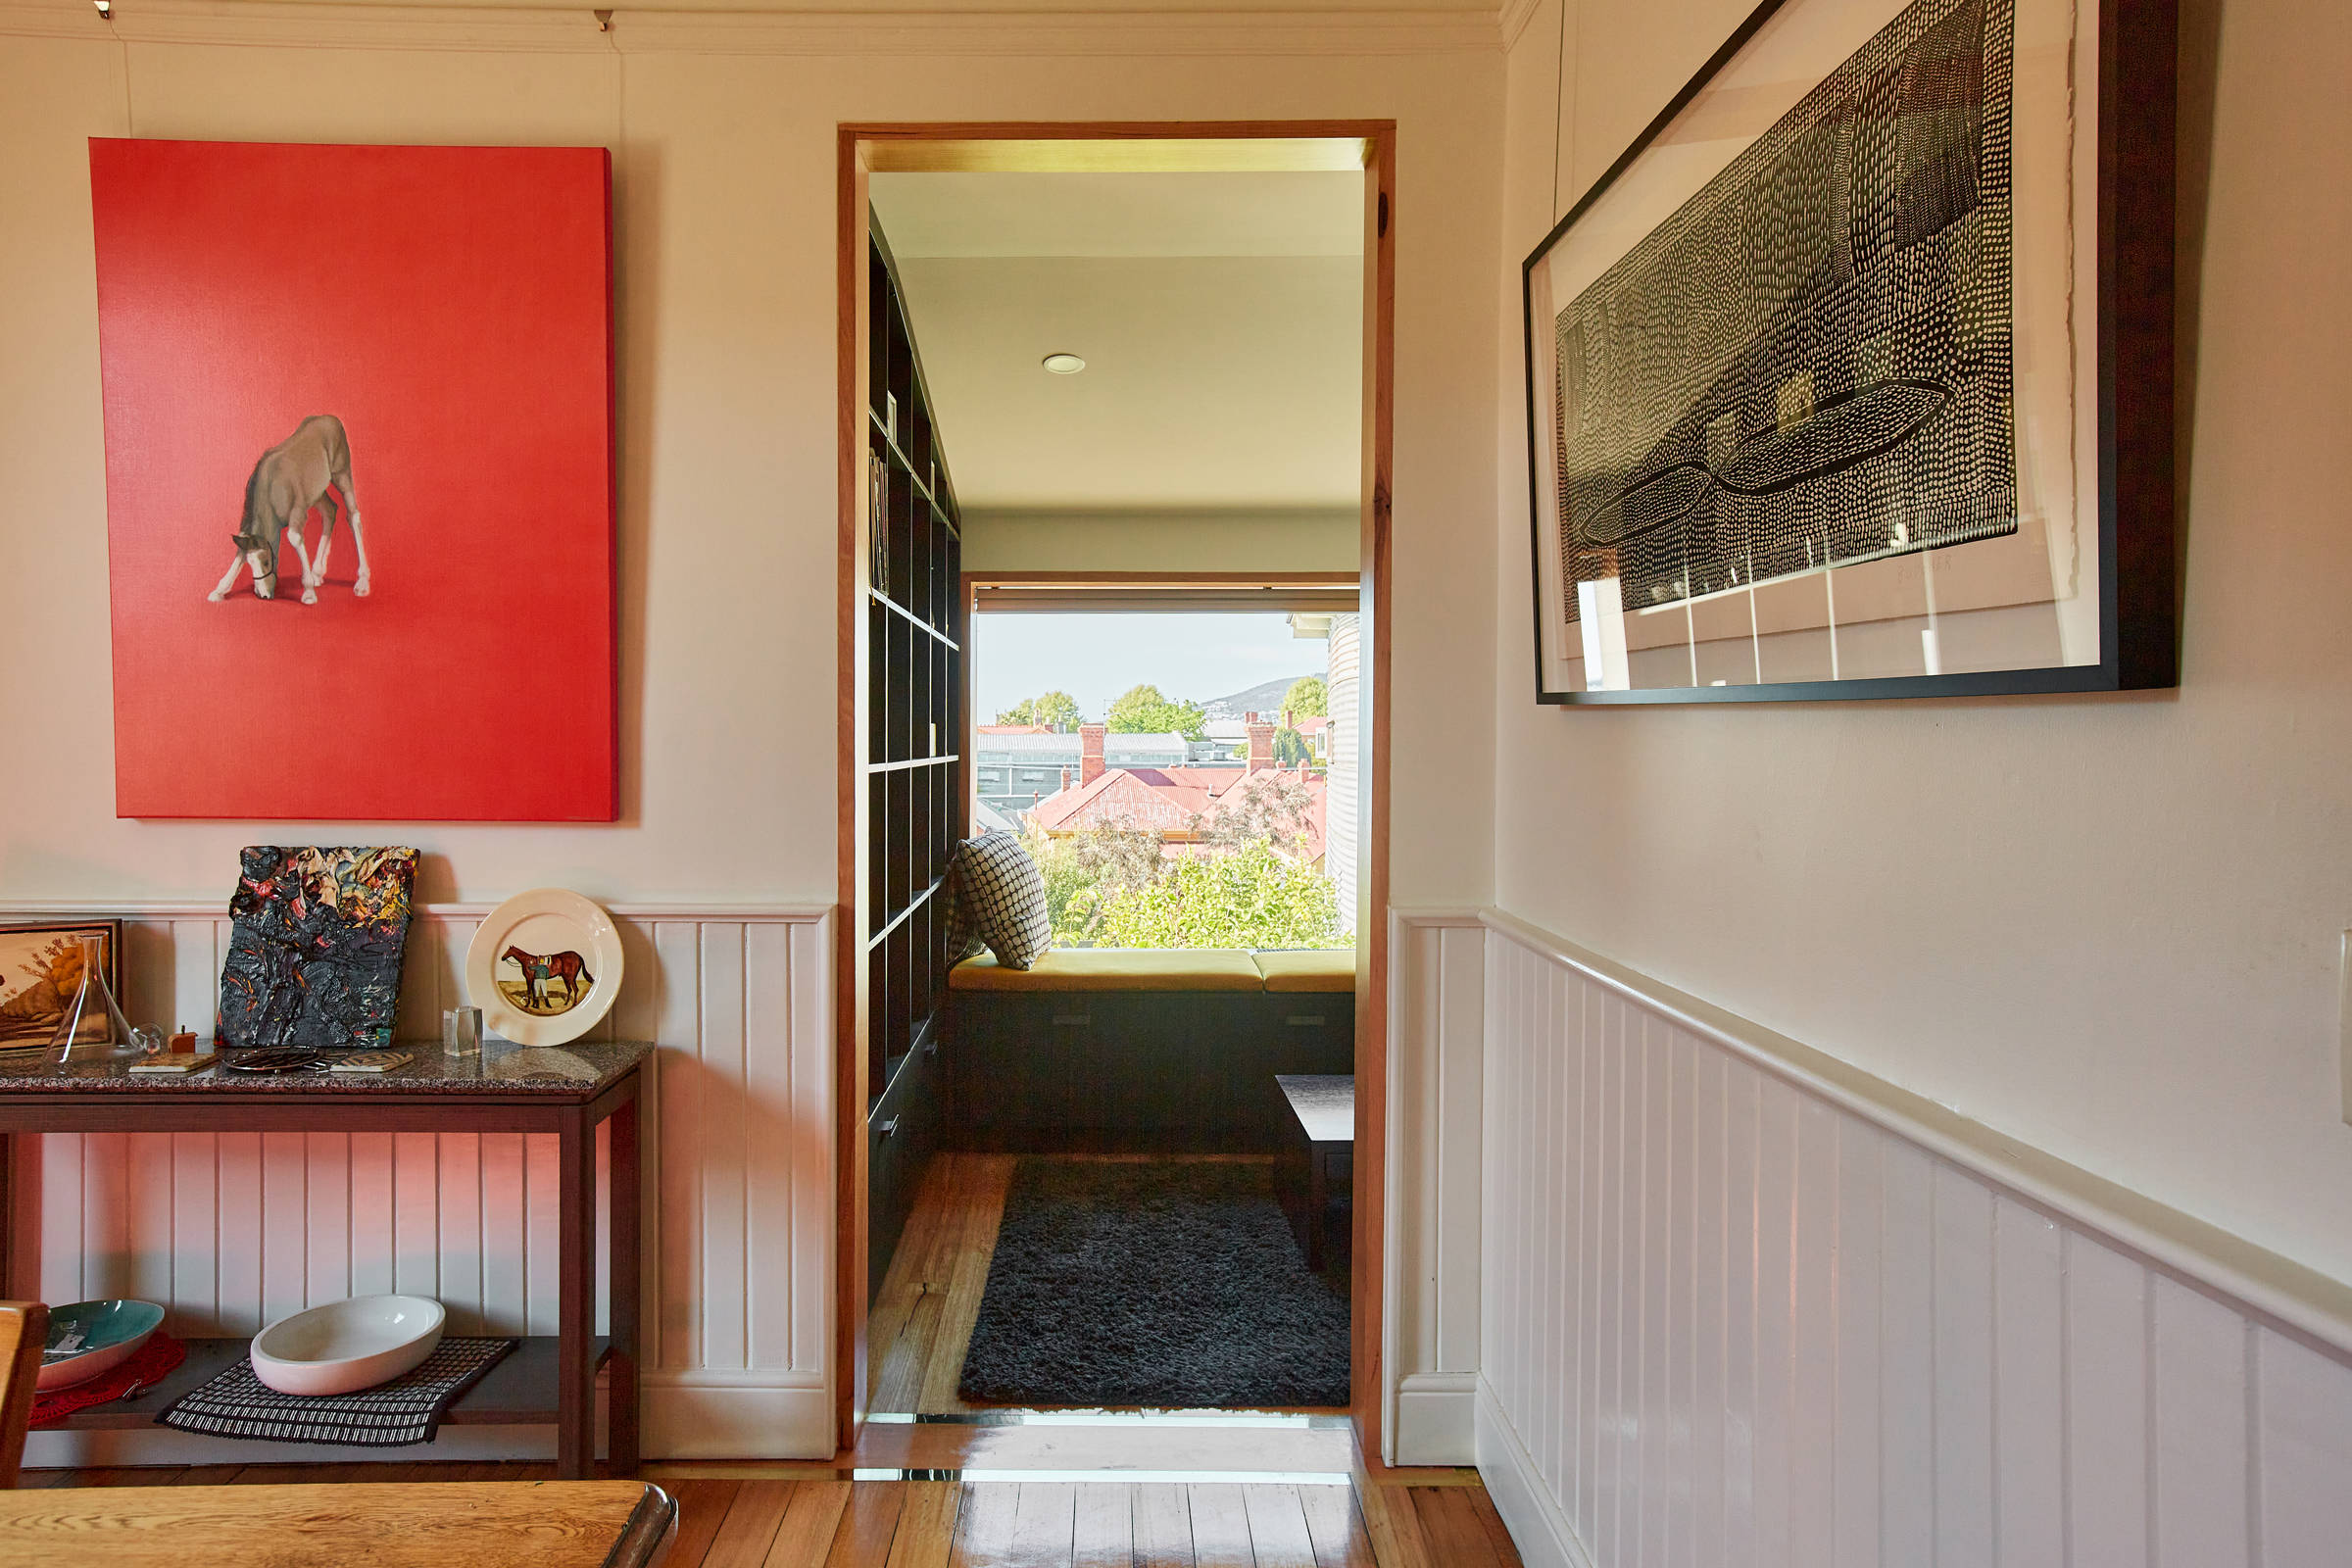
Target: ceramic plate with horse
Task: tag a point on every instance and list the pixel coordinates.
(544, 967)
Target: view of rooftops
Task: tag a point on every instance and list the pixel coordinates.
(1179, 778)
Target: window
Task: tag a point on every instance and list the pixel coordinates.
(1176, 774)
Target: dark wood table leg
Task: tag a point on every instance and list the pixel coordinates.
(576, 1296)
(1315, 1197)
(621, 1395)
(1294, 1173)
(7, 1214)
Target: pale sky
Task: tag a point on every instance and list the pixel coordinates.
(1094, 658)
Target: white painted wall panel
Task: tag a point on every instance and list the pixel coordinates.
(1963, 1336)
(1798, 1336)
(2028, 1386)
(2199, 1414)
(1854, 1424)
(1813, 1370)
(2107, 1404)
(230, 1230)
(1710, 1387)
(1438, 1102)
(1739, 1414)
(2303, 1430)
(1775, 1325)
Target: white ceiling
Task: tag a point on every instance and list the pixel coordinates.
(1121, 215)
(1220, 318)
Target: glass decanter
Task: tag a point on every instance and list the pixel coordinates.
(93, 999)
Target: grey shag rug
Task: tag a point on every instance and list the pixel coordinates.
(1171, 1283)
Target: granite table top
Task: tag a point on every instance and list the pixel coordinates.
(502, 1068)
(1324, 1103)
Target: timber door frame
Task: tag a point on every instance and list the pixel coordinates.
(1368, 145)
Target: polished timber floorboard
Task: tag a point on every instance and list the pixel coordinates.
(1404, 1519)
(923, 1316)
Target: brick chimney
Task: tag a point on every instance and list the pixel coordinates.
(1089, 752)
(1065, 780)
(1261, 742)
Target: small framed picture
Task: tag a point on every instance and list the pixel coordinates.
(40, 969)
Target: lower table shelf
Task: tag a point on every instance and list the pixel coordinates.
(519, 1391)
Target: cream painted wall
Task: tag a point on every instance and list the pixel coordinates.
(1306, 539)
(2108, 926)
(724, 133)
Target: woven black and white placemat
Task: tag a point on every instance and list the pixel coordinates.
(391, 1415)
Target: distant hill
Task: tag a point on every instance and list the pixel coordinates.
(1264, 697)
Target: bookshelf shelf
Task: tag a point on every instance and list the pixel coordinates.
(914, 775)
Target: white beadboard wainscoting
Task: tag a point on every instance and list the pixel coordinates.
(1744, 1305)
(1437, 980)
(232, 1229)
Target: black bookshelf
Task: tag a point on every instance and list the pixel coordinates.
(914, 717)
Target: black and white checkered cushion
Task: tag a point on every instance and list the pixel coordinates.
(994, 895)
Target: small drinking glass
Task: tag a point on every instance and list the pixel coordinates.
(461, 1031)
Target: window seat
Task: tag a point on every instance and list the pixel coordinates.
(1142, 1050)
(1323, 969)
(1116, 969)
(1309, 969)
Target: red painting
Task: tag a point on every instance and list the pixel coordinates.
(358, 480)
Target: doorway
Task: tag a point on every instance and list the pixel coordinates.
(1365, 149)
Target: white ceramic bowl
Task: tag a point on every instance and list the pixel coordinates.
(347, 1345)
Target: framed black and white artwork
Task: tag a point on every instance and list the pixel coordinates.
(1852, 377)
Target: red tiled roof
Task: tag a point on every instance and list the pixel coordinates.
(1165, 799)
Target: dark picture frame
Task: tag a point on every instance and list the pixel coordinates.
(2122, 489)
(20, 940)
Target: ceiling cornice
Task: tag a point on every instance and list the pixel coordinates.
(326, 24)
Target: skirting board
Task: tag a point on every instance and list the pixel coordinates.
(1541, 1533)
(1436, 1419)
(718, 1415)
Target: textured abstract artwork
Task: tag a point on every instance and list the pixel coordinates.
(1809, 363)
(1852, 375)
(358, 480)
(314, 947)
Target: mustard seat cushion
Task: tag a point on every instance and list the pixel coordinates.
(1318, 969)
(1114, 969)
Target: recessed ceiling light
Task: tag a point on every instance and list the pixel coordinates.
(1065, 364)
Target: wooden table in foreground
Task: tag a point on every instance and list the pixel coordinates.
(498, 1524)
(565, 1090)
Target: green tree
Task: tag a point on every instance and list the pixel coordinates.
(1145, 710)
(1049, 709)
(1251, 898)
(1291, 749)
(1082, 871)
(1307, 698)
(1263, 808)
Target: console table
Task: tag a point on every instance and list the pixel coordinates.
(565, 1090)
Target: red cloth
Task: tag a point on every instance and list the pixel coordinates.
(147, 1366)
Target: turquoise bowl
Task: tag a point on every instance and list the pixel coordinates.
(109, 1333)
